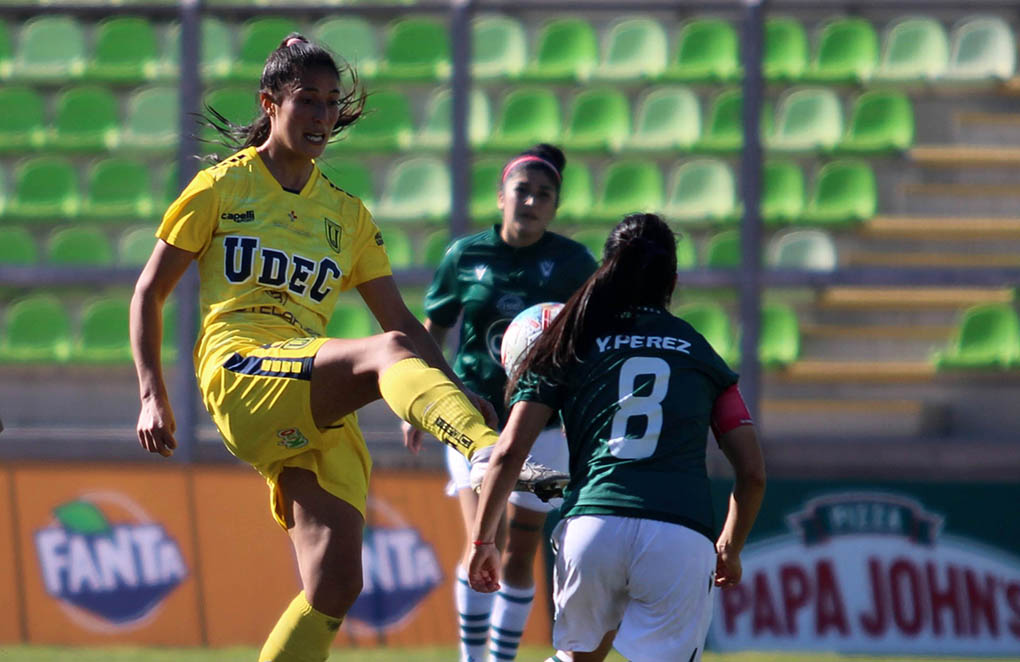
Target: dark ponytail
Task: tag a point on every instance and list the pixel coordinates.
(638, 269)
(292, 57)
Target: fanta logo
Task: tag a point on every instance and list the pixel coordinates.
(292, 438)
(119, 572)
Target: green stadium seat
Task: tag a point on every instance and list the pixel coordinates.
(723, 133)
(135, 246)
(81, 245)
(350, 175)
(17, 247)
(3, 190)
(982, 48)
(567, 50)
(118, 188)
(417, 189)
(436, 244)
(785, 52)
(86, 120)
(702, 190)
(782, 192)
(217, 55)
(629, 186)
(6, 51)
(779, 339)
(807, 119)
(712, 322)
(37, 329)
(22, 124)
(707, 50)
(258, 38)
(45, 188)
(686, 252)
(485, 175)
(668, 118)
(499, 47)
(599, 119)
(416, 49)
(914, 48)
(526, 116)
(169, 186)
(104, 336)
(398, 248)
(881, 121)
(152, 120)
(635, 48)
(385, 126)
(436, 130)
(576, 192)
(723, 250)
(353, 38)
(125, 51)
(844, 192)
(350, 320)
(847, 52)
(986, 336)
(810, 250)
(238, 104)
(594, 239)
(50, 49)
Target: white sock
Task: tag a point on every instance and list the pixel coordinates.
(509, 615)
(473, 610)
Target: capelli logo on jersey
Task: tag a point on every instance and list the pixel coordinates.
(246, 216)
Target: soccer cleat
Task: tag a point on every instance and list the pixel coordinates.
(545, 482)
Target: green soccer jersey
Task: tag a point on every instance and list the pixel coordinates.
(637, 409)
(491, 281)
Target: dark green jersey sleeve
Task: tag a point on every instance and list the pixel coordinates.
(442, 299)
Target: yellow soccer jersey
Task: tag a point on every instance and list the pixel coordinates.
(271, 262)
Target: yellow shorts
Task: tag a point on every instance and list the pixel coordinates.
(260, 400)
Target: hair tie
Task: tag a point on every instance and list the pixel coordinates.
(291, 41)
(525, 159)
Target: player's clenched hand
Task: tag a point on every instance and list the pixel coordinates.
(413, 437)
(485, 407)
(727, 568)
(483, 568)
(156, 426)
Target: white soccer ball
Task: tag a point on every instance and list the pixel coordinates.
(524, 330)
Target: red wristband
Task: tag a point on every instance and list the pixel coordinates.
(479, 543)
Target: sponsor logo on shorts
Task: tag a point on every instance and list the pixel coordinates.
(291, 438)
(246, 216)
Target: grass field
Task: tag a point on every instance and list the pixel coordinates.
(53, 654)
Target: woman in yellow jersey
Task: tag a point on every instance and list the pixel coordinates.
(276, 242)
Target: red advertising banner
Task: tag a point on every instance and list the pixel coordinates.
(10, 617)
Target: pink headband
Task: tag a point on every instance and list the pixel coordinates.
(293, 40)
(525, 159)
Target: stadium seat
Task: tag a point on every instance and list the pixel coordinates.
(17, 247)
(723, 250)
(436, 244)
(125, 51)
(258, 38)
(914, 48)
(635, 48)
(629, 186)
(353, 38)
(152, 122)
(436, 132)
(567, 50)
(6, 51)
(881, 121)
(217, 54)
(844, 192)
(416, 49)
(807, 119)
(485, 175)
(81, 245)
(37, 329)
(667, 118)
(526, 116)
(169, 185)
(576, 192)
(104, 332)
(810, 250)
(723, 133)
(782, 192)
(982, 48)
(350, 175)
(22, 123)
(237, 104)
(417, 189)
(686, 252)
(707, 50)
(86, 120)
(398, 248)
(350, 320)
(702, 190)
(785, 51)
(847, 52)
(712, 322)
(385, 126)
(118, 188)
(599, 120)
(499, 47)
(778, 338)
(45, 188)
(986, 336)
(135, 246)
(594, 239)
(50, 49)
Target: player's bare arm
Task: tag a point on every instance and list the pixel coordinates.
(740, 445)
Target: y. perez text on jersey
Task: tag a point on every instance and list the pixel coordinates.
(277, 268)
(607, 343)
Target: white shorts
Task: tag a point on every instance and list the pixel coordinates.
(550, 449)
(653, 580)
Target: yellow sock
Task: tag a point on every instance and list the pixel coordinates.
(426, 398)
(302, 634)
